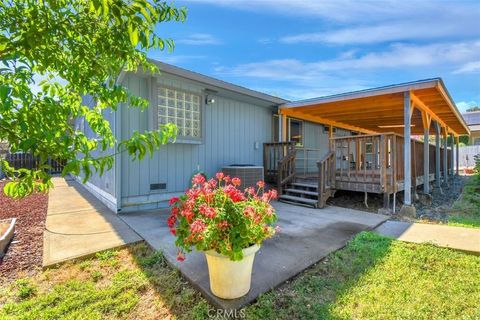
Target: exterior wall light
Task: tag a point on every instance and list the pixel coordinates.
(209, 100)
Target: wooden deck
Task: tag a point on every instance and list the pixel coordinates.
(363, 163)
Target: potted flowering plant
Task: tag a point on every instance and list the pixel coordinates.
(228, 224)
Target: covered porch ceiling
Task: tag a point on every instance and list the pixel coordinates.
(381, 109)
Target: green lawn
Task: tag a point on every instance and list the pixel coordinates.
(466, 210)
(371, 278)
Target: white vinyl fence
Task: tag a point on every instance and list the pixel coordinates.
(467, 156)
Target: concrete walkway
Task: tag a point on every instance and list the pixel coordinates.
(307, 235)
(79, 225)
(464, 239)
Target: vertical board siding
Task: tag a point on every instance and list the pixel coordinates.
(231, 129)
(107, 181)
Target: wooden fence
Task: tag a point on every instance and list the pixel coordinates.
(28, 161)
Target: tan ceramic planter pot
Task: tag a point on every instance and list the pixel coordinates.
(230, 279)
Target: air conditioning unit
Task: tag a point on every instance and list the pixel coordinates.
(248, 173)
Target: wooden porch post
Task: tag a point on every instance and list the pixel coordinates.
(282, 127)
(445, 156)
(438, 178)
(408, 149)
(457, 152)
(452, 146)
(426, 150)
(330, 136)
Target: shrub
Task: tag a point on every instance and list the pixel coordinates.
(217, 215)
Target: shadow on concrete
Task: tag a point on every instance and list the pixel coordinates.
(313, 293)
(79, 225)
(307, 236)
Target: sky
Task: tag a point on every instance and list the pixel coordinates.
(304, 49)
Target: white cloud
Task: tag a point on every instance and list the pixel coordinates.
(354, 22)
(339, 10)
(396, 56)
(351, 70)
(175, 59)
(470, 67)
(199, 39)
(388, 32)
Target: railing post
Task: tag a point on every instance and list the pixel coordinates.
(383, 163)
(320, 184)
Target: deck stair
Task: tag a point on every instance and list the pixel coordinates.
(312, 189)
(303, 193)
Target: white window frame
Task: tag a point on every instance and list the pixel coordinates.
(302, 140)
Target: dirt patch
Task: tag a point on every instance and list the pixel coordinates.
(356, 200)
(435, 210)
(24, 255)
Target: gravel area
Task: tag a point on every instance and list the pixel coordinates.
(24, 255)
(441, 202)
(431, 209)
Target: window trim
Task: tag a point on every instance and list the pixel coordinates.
(289, 131)
(275, 130)
(154, 124)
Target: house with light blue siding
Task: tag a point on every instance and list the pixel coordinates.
(358, 141)
(219, 124)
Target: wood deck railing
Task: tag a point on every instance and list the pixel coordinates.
(273, 152)
(286, 170)
(326, 179)
(366, 163)
(374, 163)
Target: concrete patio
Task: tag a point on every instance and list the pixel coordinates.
(307, 236)
(458, 238)
(78, 224)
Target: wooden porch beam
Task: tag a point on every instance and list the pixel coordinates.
(283, 126)
(307, 117)
(452, 107)
(422, 106)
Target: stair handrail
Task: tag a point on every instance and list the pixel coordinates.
(325, 174)
(286, 168)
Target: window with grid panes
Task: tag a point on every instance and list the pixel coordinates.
(182, 109)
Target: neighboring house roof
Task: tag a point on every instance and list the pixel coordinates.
(472, 118)
(475, 127)
(165, 67)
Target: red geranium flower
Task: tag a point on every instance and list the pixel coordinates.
(171, 221)
(207, 211)
(180, 256)
(197, 226)
(250, 191)
(236, 181)
(198, 179)
(188, 214)
(173, 201)
(211, 212)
